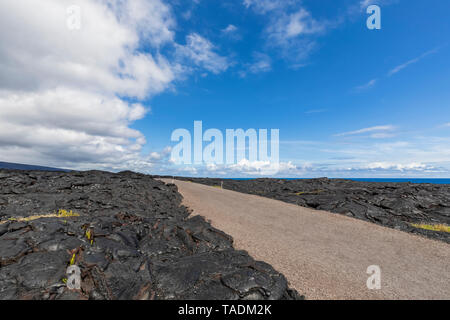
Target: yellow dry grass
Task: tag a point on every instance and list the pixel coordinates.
(61, 214)
(432, 227)
(72, 260)
(308, 192)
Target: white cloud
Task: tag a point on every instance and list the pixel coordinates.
(230, 29)
(163, 155)
(231, 32)
(290, 28)
(260, 168)
(295, 24)
(249, 168)
(376, 129)
(413, 156)
(264, 6)
(246, 168)
(64, 93)
(262, 63)
(416, 157)
(189, 170)
(59, 88)
(67, 126)
(365, 3)
(367, 85)
(416, 166)
(410, 62)
(152, 19)
(376, 170)
(38, 51)
(201, 52)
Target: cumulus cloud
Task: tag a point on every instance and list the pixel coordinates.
(265, 168)
(361, 158)
(39, 51)
(231, 32)
(262, 63)
(255, 169)
(65, 93)
(290, 27)
(230, 29)
(295, 33)
(155, 28)
(59, 86)
(416, 166)
(375, 169)
(264, 6)
(411, 156)
(163, 155)
(202, 52)
(243, 168)
(67, 126)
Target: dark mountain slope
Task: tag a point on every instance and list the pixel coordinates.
(19, 166)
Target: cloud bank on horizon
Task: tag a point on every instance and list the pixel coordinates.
(349, 102)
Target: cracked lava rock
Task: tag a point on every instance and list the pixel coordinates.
(127, 233)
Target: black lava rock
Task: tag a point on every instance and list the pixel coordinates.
(130, 237)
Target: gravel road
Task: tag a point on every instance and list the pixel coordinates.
(325, 255)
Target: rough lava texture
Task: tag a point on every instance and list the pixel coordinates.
(394, 205)
(132, 240)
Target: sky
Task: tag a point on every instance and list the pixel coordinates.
(96, 84)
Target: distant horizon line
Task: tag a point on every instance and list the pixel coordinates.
(20, 166)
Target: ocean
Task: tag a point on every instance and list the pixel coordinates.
(412, 180)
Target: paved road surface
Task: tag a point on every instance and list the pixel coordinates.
(325, 255)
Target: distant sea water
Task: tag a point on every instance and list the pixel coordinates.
(412, 180)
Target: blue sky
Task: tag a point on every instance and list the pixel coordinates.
(343, 84)
(349, 101)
